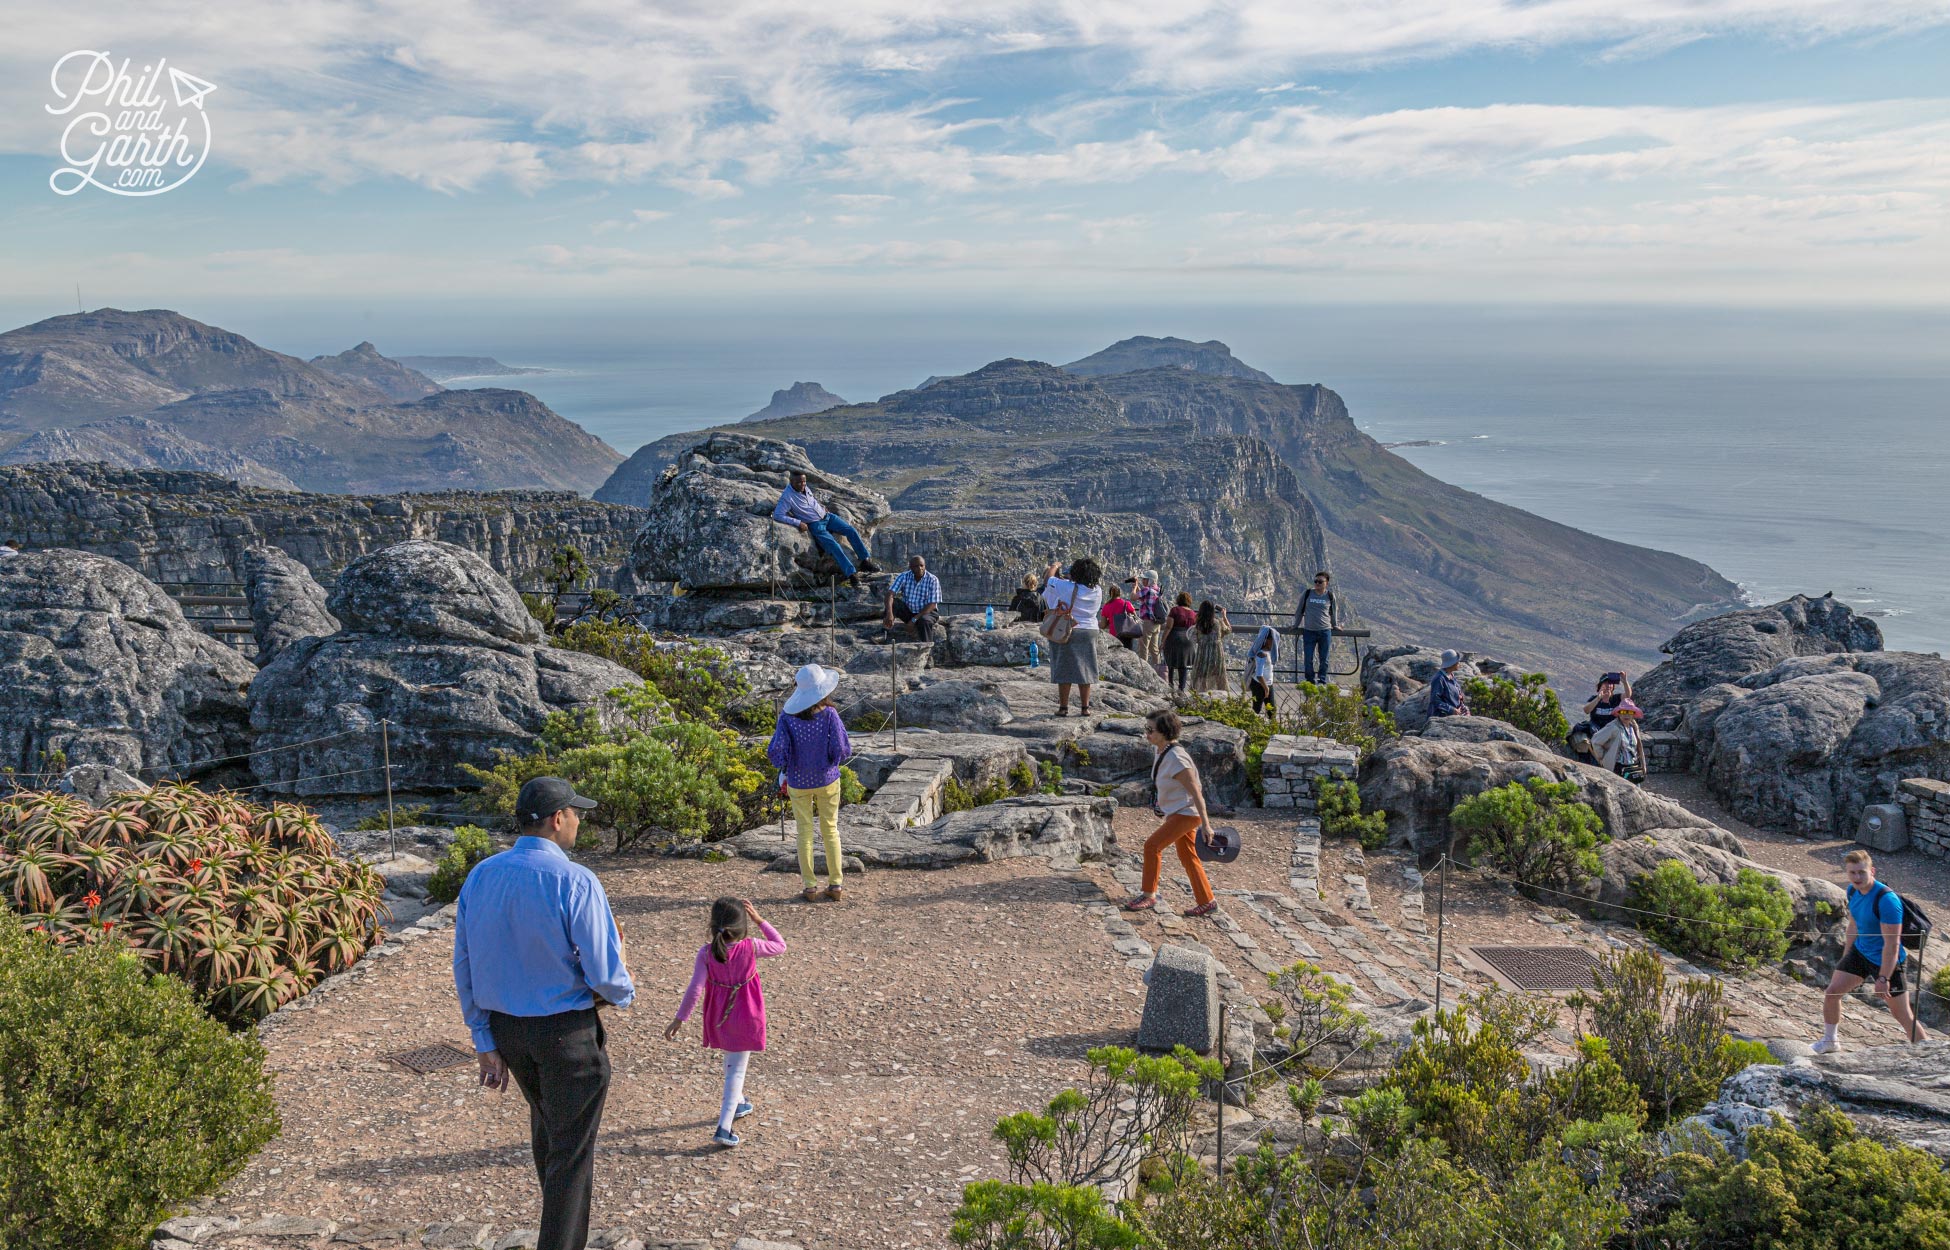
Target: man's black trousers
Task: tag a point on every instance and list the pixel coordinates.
(563, 1070)
(923, 621)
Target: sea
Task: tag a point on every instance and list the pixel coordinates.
(1804, 451)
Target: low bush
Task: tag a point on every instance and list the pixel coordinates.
(1339, 804)
(1670, 1039)
(1536, 831)
(1527, 703)
(251, 905)
(1311, 1007)
(401, 818)
(1738, 925)
(1312, 711)
(120, 1098)
(851, 791)
(470, 846)
(698, 681)
(542, 608)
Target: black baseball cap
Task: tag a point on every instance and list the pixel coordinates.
(542, 797)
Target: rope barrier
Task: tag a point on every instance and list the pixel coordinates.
(225, 759)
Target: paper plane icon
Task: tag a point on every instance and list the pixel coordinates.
(189, 89)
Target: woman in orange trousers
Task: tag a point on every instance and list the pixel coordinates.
(1181, 800)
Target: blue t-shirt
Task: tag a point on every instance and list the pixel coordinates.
(1868, 926)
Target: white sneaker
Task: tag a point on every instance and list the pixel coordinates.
(1827, 1046)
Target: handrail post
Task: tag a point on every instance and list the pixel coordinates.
(386, 759)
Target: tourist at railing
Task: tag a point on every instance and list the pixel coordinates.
(1120, 620)
(1209, 654)
(914, 598)
(809, 744)
(1070, 625)
(1260, 659)
(1179, 648)
(1028, 603)
(1151, 611)
(536, 952)
(1317, 617)
(797, 507)
(1872, 948)
(1181, 801)
(725, 973)
(1445, 692)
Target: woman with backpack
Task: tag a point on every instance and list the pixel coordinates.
(1070, 626)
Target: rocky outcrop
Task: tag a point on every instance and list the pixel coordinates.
(364, 365)
(136, 443)
(99, 664)
(221, 393)
(437, 644)
(796, 401)
(195, 527)
(1396, 680)
(1726, 648)
(709, 524)
(285, 603)
(1894, 1093)
(1142, 352)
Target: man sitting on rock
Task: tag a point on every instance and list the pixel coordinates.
(797, 507)
(915, 598)
(1445, 692)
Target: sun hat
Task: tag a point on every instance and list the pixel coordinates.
(1449, 660)
(1150, 575)
(813, 683)
(1627, 708)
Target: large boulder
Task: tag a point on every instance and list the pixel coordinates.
(431, 645)
(99, 664)
(1116, 753)
(1807, 744)
(1734, 645)
(1893, 1093)
(285, 603)
(710, 518)
(1419, 780)
(1396, 680)
(1063, 829)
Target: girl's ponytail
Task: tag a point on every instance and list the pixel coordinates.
(729, 926)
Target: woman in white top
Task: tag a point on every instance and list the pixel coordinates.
(1181, 800)
(1074, 663)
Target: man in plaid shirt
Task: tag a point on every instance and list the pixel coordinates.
(1150, 610)
(915, 597)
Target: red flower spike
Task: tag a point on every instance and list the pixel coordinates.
(91, 899)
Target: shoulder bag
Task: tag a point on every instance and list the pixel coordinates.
(1059, 624)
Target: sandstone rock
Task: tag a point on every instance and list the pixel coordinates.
(1061, 828)
(710, 523)
(1481, 729)
(1734, 645)
(753, 1243)
(97, 783)
(519, 1239)
(1181, 1001)
(1715, 856)
(458, 1235)
(289, 1228)
(435, 642)
(285, 603)
(98, 663)
(1116, 752)
(1890, 1091)
(194, 1228)
(169, 1243)
(1396, 679)
(1005, 646)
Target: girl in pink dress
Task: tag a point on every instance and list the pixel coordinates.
(726, 973)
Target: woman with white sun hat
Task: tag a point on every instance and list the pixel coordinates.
(808, 746)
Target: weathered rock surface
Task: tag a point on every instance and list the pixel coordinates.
(97, 784)
(1726, 648)
(196, 527)
(1895, 1092)
(1061, 828)
(1481, 729)
(139, 443)
(98, 662)
(285, 603)
(709, 522)
(1115, 752)
(438, 644)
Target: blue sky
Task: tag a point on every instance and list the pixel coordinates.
(1741, 152)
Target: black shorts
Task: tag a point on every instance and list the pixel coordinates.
(1856, 964)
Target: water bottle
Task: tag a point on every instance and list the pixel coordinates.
(1033, 661)
(988, 616)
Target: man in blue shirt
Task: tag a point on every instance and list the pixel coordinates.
(798, 508)
(1445, 692)
(1871, 947)
(914, 597)
(536, 952)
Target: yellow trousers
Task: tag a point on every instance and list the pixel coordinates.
(825, 803)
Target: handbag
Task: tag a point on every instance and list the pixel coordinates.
(1222, 847)
(1059, 624)
(1127, 627)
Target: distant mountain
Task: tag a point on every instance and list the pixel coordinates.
(796, 401)
(984, 454)
(213, 400)
(1134, 355)
(364, 364)
(447, 368)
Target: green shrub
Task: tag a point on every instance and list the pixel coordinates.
(1814, 1185)
(1312, 711)
(955, 797)
(604, 602)
(698, 681)
(252, 905)
(120, 1099)
(1536, 831)
(871, 721)
(542, 608)
(851, 791)
(1052, 774)
(1669, 1039)
(402, 817)
(1940, 982)
(1312, 1008)
(470, 846)
(1740, 925)
(1527, 703)
(1305, 1095)
(1339, 804)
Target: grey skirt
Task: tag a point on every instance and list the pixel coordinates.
(1074, 663)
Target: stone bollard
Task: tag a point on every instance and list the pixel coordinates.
(1181, 1003)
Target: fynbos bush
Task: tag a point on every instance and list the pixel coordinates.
(1527, 703)
(1736, 925)
(1536, 831)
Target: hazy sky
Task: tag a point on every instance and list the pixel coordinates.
(1751, 152)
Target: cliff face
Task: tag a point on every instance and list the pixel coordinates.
(178, 526)
(223, 402)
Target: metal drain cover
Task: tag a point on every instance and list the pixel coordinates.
(1540, 967)
(424, 1059)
